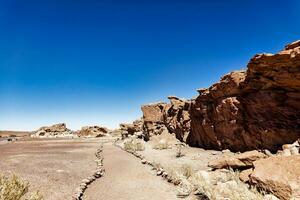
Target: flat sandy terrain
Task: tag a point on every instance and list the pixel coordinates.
(54, 167)
(14, 133)
(126, 178)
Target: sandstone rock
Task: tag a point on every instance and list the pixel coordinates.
(291, 149)
(153, 112)
(244, 175)
(56, 130)
(278, 175)
(92, 131)
(239, 161)
(171, 118)
(153, 117)
(256, 109)
(177, 117)
(132, 129)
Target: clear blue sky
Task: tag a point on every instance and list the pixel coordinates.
(95, 62)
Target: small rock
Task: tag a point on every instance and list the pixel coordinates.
(286, 152)
(226, 151)
(143, 161)
(159, 172)
(294, 151)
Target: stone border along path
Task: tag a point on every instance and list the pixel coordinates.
(97, 174)
(159, 171)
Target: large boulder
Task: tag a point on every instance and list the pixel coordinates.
(278, 175)
(254, 109)
(92, 131)
(239, 161)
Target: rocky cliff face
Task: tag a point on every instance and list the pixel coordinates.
(253, 109)
(162, 117)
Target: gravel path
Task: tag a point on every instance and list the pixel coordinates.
(126, 178)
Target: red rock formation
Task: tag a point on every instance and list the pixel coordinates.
(278, 175)
(173, 117)
(259, 108)
(177, 117)
(153, 117)
(92, 131)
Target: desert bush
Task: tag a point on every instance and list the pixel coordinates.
(179, 175)
(14, 188)
(162, 144)
(179, 152)
(226, 185)
(187, 171)
(133, 146)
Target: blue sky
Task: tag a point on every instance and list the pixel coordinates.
(95, 62)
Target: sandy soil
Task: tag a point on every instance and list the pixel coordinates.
(54, 167)
(196, 158)
(14, 133)
(127, 179)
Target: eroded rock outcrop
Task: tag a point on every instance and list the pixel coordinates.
(177, 117)
(162, 117)
(92, 131)
(135, 128)
(56, 130)
(254, 109)
(153, 118)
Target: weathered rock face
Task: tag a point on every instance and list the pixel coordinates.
(279, 175)
(153, 117)
(132, 129)
(177, 117)
(56, 130)
(162, 117)
(92, 131)
(256, 109)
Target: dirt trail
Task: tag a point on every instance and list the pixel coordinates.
(127, 179)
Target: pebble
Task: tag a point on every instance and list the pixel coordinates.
(143, 161)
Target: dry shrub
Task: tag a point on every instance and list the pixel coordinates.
(226, 185)
(133, 146)
(179, 175)
(14, 188)
(162, 144)
(179, 152)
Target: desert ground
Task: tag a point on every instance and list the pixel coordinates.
(55, 167)
(52, 166)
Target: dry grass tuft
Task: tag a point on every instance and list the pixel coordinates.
(179, 152)
(14, 188)
(226, 186)
(162, 144)
(179, 175)
(133, 145)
